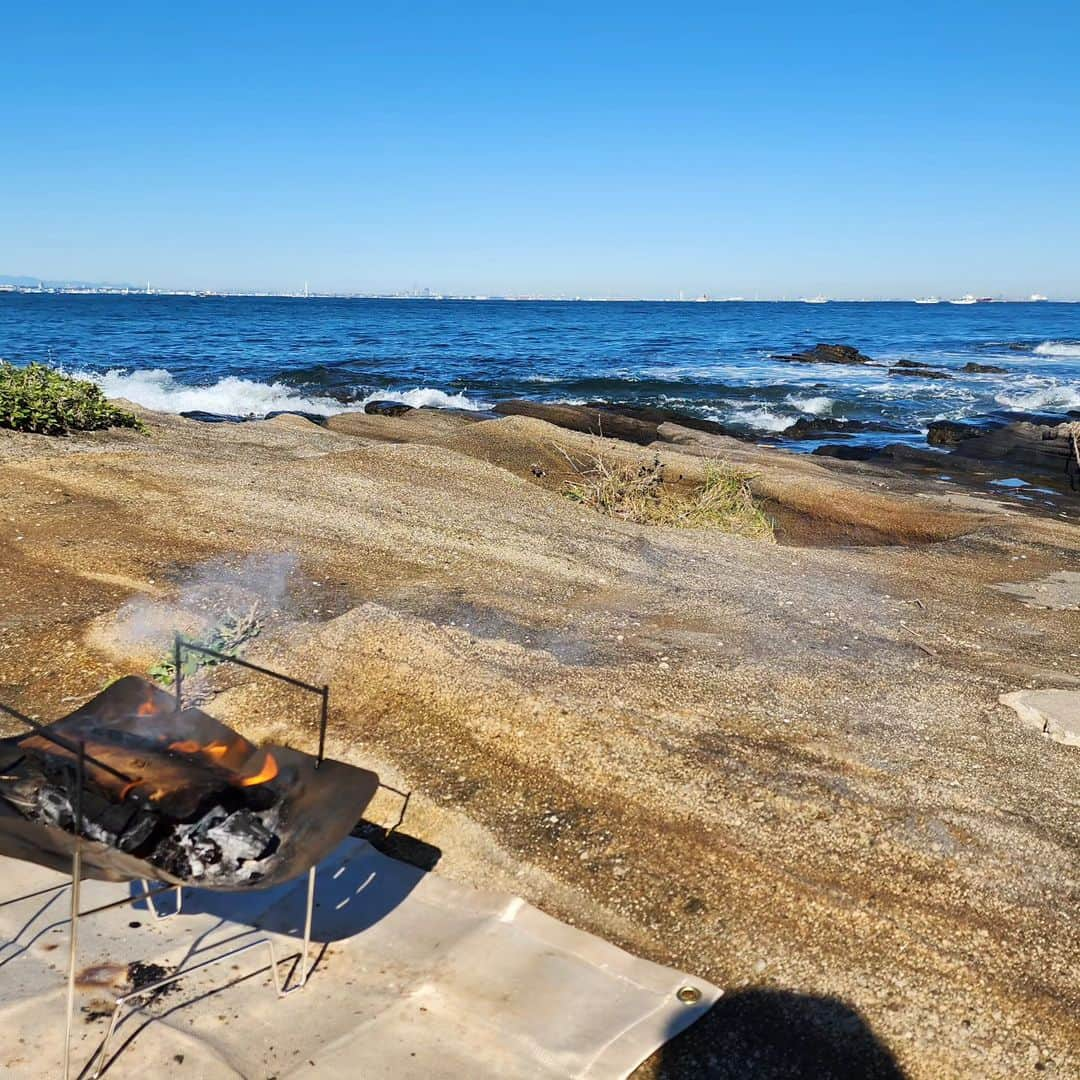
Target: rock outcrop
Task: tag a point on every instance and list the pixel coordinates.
(630, 423)
(825, 427)
(827, 354)
(386, 408)
(983, 369)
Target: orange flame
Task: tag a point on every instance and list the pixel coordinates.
(268, 771)
(188, 746)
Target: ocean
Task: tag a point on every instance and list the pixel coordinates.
(247, 356)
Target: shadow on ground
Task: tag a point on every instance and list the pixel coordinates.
(778, 1035)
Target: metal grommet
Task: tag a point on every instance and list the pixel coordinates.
(688, 995)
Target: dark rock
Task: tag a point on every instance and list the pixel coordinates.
(1042, 447)
(213, 418)
(386, 408)
(953, 432)
(920, 373)
(654, 414)
(630, 423)
(905, 453)
(912, 364)
(828, 354)
(847, 453)
(984, 369)
(823, 426)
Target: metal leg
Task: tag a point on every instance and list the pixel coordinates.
(307, 934)
(149, 898)
(98, 1062)
(76, 883)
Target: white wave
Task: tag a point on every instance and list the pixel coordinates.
(1058, 348)
(157, 389)
(425, 396)
(1044, 399)
(761, 419)
(816, 406)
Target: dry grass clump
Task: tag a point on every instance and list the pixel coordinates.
(638, 492)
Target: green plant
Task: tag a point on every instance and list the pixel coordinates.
(230, 637)
(39, 399)
(638, 492)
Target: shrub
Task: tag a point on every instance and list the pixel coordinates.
(638, 492)
(36, 398)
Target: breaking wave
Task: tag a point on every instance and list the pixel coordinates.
(1058, 348)
(1044, 399)
(760, 419)
(816, 406)
(157, 389)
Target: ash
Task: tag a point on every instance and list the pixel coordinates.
(228, 841)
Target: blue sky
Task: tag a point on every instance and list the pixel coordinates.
(777, 149)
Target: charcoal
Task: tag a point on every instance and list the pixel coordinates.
(138, 832)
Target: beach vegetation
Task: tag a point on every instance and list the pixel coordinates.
(39, 399)
(230, 637)
(639, 491)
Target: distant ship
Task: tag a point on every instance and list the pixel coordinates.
(1037, 298)
(969, 299)
(927, 300)
(816, 300)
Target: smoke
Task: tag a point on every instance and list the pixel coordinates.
(212, 595)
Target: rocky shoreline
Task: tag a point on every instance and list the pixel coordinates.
(782, 765)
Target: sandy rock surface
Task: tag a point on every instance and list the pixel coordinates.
(783, 766)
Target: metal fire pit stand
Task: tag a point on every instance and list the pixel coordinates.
(98, 1062)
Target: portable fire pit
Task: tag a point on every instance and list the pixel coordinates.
(172, 795)
(135, 787)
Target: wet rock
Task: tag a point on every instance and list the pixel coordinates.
(912, 364)
(953, 432)
(386, 408)
(1054, 713)
(983, 369)
(1048, 449)
(847, 453)
(920, 372)
(817, 427)
(828, 354)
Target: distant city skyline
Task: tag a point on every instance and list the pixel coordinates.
(30, 284)
(617, 151)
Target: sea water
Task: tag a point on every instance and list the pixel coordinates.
(247, 356)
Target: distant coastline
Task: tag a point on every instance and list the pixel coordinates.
(33, 286)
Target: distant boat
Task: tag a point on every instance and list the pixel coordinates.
(969, 299)
(1037, 298)
(815, 300)
(928, 300)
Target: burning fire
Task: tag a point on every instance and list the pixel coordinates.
(217, 751)
(214, 750)
(268, 771)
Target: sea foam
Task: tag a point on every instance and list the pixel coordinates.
(760, 419)
(1051, 398)
(1058, 348)
(157, 389)
(816, 406)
